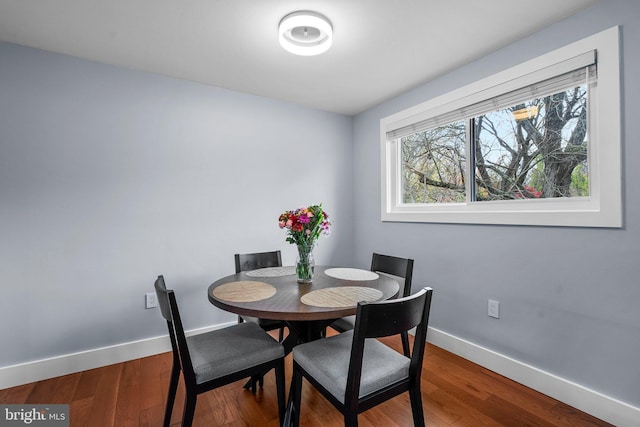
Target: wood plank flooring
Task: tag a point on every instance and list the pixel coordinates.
(455, 392)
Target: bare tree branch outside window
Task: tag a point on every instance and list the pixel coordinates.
(535, 149)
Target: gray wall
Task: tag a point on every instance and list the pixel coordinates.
(568, 296)
(109, 177)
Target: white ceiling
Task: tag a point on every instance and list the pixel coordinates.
(381, 48)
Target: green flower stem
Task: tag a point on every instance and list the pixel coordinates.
(305, 264)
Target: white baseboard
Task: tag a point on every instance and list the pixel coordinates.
(23, 373)
(606, 408)
(597, 404)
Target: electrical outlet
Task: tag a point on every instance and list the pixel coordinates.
(494, 309)
(150, 300)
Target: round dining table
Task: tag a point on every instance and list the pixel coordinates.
(306, 308)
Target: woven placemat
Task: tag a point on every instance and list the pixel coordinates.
(345, 296)
(351, 274)
(272, 272)
(244, 291)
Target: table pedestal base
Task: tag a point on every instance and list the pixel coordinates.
(300, 332)
(304, 331)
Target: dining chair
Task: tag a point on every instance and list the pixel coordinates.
(254, 261)
(355, 371)
(400, 269)
(217, 358)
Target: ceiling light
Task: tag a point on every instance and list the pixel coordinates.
(305, 33)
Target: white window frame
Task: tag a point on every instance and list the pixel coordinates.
(603, 206)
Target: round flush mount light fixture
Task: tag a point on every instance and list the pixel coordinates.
(305, 33)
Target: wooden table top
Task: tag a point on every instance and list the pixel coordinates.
(281, 297)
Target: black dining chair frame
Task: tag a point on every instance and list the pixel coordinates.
(253, 261)
(394, 266)
(182, 362)
(373, 320)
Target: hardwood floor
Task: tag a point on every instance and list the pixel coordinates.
(455, 392)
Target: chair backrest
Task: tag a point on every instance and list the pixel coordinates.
(246, 262)
(399, 267)
(169, 310)
(386, 318)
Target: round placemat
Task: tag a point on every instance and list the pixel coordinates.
(351, 274)
(244, 291)
(344, 296)
(272, 272)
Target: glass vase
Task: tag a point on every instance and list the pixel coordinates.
(305, 263)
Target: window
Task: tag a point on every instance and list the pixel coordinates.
(538, 144)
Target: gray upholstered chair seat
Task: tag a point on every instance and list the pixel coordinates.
(346, 323)
(245, 345)
(327, 361)
(266, 324)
